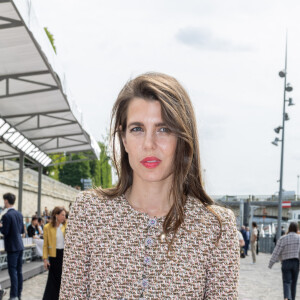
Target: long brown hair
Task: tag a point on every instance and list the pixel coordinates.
(178, 114)
(56, 211)
(293, 227)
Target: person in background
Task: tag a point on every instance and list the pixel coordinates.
(27, 222)
(41, 226)
(253, 241)
(32, 229)
(247, 240)
(288, 251)
(257, 239)
(12, 228)
(53, 250)
(242, 244)
(25, 234)
(243, 232)
(45, 214)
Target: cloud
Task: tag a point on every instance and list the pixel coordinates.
(204, 39)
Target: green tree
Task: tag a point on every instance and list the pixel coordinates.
(101, 171)
(72, 173)
(53, 171)
(51, 38)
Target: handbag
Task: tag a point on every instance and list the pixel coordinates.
(242, 253)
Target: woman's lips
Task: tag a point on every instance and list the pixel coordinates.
(150, 162)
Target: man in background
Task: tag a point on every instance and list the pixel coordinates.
(247, 240)
(253, 241)
(12, 228)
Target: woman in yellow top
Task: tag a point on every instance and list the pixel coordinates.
(54, 235)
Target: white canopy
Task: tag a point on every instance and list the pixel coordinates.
(37, 114)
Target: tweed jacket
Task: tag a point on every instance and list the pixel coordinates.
(113, 251)
(287, 247)
(49, 248)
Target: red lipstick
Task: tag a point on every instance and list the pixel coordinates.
(150, 162)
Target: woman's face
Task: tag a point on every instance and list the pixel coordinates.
(60, 218)
(148, 141)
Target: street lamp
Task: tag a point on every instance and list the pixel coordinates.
(275, 142)
(285, 117)
(277, 130)
(291, 102)
(297, 187)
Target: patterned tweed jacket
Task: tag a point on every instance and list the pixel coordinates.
(113, 251)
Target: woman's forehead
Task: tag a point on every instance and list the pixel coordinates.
(140, 110)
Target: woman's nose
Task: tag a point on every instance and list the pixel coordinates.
(149, 140)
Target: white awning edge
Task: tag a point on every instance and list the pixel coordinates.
(25, 10)
(18, 141)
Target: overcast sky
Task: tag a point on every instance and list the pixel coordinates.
(227, 55)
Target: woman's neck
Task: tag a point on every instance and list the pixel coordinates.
(152, 198)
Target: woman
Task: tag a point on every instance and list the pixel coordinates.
(156, 234)
(54, 233)
(242, 244)
(288, 251)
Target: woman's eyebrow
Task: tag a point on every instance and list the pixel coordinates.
(142, 124)
(160, 124)
(135, 124)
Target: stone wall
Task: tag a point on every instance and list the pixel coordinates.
(54, 193)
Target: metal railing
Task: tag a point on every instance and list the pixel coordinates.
(266, 244)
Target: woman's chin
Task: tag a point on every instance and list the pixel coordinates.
(155, 178)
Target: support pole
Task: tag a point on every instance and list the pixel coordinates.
(282, 152)
(241, 212)
(40, 190)
(21, 170)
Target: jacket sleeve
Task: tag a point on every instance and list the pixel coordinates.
(223, 267)
(22, 225)
(75, 275)
(276, 253)
(46, 243)
(6, 221)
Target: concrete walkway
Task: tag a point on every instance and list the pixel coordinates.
(33, 288)
(257, 282)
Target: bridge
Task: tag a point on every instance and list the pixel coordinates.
(264, 207)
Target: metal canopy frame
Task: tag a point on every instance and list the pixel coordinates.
(34, 97)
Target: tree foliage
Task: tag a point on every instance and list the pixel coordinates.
(53, 171)
(51, 38)
(99, 171)
(72, 173)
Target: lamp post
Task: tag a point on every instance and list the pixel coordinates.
(297, 187)
(287, 88)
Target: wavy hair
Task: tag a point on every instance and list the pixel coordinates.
(178, 114)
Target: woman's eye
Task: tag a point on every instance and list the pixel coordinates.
(135, 129)
(164, 129)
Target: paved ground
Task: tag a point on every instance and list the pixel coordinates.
(33, 288)
(257, 282)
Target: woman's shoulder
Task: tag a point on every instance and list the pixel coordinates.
(47, 226)
(213, 223)
(211, 212)
(225, 214)
(93, 200)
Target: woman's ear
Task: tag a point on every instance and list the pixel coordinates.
(123, 136)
